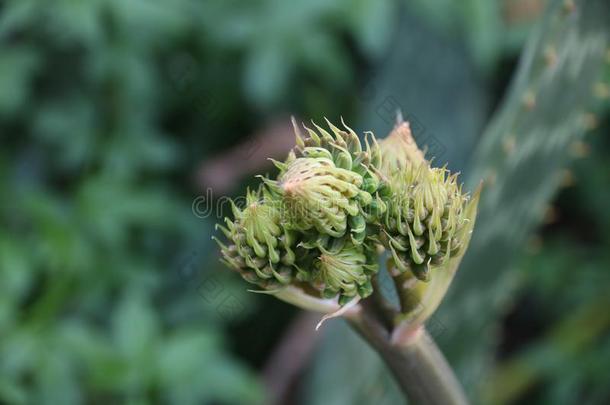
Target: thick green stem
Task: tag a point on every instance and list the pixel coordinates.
(419, 367)
(425, 376)
(409, 352)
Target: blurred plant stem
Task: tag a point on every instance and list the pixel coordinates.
(290, 358)
(568, 339)
(420, 369)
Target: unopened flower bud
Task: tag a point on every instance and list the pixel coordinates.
(259, 247)
(399, 150)
(344, 270)
(425, 217)
(328, 183)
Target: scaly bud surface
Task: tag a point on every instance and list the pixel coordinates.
(329, 183)
(343, 270)
(259, 247)
(426, 212)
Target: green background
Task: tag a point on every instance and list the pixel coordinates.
(111, 112)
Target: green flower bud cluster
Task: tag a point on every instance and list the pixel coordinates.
(427, 210)
(329, 188)
(260, 248)
(329, 183)
(320, 224)
(426, 214)
(339, 268)
(333, 271)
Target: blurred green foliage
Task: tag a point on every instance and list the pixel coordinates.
(92, 214)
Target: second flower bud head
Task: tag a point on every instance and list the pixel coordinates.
(259, 245)
(319, 225)
(427, 211)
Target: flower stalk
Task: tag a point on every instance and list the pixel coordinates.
(419, 367)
